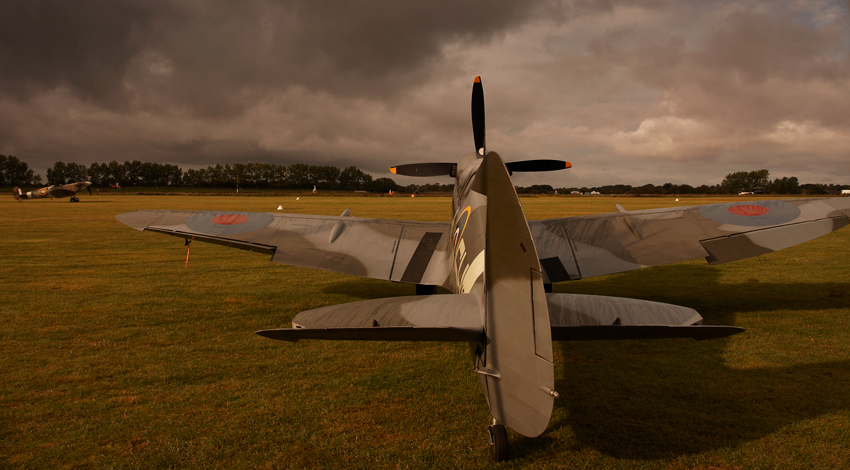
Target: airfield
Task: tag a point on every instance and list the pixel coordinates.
(114, 355)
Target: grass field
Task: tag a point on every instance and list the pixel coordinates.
(113, 356)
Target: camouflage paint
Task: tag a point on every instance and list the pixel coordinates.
(53, 191)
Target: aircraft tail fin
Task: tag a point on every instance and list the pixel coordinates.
(18, 194)
(576, 317)
(415, 318)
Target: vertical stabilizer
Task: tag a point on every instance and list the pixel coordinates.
(518, 355)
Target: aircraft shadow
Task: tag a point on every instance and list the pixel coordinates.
(699, 287)
(635, 400)
(361, 289)
(88, 201)
(676, 411)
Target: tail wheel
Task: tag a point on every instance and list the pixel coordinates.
(498, 437)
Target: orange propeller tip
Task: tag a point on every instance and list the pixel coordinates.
(478, 79)
(392, 169)
(569, 165)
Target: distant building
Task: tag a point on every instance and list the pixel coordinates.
(845, 191)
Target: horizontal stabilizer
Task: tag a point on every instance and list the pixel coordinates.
(455, 317)
(599, 310)
(391, 333)
(537, 165)
(425, 169)
(576, 317)
(611, 332)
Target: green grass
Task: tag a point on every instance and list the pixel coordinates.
(113, 356)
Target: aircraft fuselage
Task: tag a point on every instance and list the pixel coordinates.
(493, 255)
(53, 191)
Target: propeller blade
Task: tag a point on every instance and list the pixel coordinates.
(478, 115)
(425, 169)
(538, 165)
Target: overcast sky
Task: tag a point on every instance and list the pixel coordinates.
(630, 92)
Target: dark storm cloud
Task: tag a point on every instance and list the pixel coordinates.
(620, 88)
(218, 57)
(751, 71)
(84, 45)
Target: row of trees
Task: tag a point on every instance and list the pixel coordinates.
(757, 181)
(14, 172)
(133, 173)
(250, 175)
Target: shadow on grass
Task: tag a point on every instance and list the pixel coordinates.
(669, 398)
(673, 412)
(699, 287)
(365, 289)
(651, 400)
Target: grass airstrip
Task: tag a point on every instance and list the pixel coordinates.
(113, 356)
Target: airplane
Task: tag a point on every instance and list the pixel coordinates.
(53, 191)
(500, 268)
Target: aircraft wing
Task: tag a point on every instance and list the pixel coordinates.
(395, 250)
(593, 245)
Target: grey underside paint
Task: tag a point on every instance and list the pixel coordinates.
(587, 310)
(577, 317)
(428, 311)
(573, 317)
(415, 318)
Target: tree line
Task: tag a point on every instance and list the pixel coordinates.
(14, 172)
(239, 175)
(756, 182)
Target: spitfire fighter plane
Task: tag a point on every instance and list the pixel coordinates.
(500, 267)
(53, 191)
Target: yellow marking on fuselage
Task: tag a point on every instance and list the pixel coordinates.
(472, 273)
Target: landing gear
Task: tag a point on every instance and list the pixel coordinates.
(75, 199)
(498, 437)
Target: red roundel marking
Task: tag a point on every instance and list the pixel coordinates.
(229, 219)
(748, 210)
